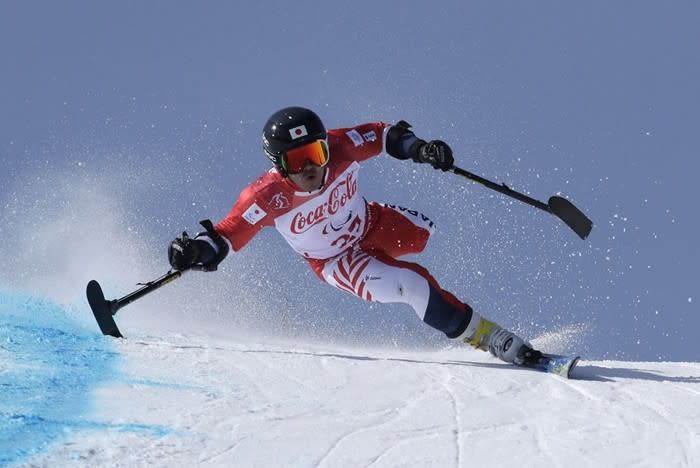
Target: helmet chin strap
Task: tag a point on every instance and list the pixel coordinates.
(323, 179)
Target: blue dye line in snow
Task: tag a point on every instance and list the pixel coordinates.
(49, 365)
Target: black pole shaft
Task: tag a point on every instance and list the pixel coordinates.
(148, 288)
(502, 188)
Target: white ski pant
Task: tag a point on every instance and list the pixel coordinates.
(371, 271)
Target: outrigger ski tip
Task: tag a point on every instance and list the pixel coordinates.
(572, 216)
(102, 309)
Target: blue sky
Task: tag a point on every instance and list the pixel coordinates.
(161, 104)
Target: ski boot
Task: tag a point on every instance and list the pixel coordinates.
(507, 346)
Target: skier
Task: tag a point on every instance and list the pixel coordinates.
(313, 197)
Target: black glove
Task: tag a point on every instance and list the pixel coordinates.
(437, 153)
(183, 252)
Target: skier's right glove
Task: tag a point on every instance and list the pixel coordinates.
(204, 252)
(183, 252)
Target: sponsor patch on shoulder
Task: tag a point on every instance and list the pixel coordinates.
(254, 214)
(355, 136)
(370, 136)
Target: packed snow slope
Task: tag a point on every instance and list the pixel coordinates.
(73, 398)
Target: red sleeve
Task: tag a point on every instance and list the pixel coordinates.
(364, 141)
(247, 217)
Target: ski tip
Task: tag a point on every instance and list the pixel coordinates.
(557, 364)
(574, 361)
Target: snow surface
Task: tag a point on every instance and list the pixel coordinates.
(187, 400)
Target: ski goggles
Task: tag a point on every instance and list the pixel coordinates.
(316, 153)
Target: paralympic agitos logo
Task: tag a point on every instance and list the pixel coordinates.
(338, 197)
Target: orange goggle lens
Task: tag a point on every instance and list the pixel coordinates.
(295, 159)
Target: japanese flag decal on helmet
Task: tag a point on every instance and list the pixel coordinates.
(289, 128)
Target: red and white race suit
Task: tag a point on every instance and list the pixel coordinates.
(349, 242)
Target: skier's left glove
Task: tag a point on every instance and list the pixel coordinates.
(437, 153)
(402, 143)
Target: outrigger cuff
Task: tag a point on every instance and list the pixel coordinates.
(217, 252)
(402, 143)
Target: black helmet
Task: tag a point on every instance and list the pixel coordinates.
(289, 128)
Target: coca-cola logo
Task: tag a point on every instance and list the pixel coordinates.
(338, 197)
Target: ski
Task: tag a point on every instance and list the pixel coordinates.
(557, 364)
